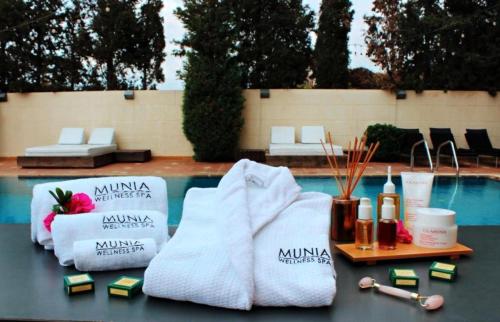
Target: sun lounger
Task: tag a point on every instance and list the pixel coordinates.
(479, 142)
(71, 144)
(70, 152)
(414, 145)
(283, 142)
(440, 137)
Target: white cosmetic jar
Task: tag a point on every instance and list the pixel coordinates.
(435, 228)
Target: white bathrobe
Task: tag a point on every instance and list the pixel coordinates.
(225, 254)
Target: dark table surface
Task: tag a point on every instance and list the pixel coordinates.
(32, 289)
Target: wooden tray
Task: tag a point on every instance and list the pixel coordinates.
(402, 251)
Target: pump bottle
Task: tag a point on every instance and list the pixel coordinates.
(364, 225)
(387, 226)
(389, 191)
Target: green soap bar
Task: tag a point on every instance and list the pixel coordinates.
(443, 271)
(402, 277)
(78, 283)
(125, 286)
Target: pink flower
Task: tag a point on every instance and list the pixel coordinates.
(47, 222)
(403, 235)
(80, 203)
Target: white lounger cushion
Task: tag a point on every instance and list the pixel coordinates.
(283, 134)
(71, 135)
(302, 149)
(312, 134)
(66, 150)
(102, 136)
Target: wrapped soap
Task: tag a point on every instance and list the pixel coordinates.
(125, 286)
(443, 271)
(403, 277)
(79, 283)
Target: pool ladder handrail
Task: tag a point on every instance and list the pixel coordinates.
(412, 155)
(454, 158)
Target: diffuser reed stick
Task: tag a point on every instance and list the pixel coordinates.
(355, 166)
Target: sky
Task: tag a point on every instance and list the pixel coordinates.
(174, 30)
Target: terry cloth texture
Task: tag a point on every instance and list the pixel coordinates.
(113, 253)
(107, 193)
(129, 224)
(213, 258)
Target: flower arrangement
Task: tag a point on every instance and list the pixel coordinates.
(68, 204)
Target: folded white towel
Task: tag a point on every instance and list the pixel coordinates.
(293, 262)
(134, 224)
(210, 258)
(107, 193)
(113, 253)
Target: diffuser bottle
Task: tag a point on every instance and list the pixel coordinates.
(364, 225)
(387, 226)
(389, 191)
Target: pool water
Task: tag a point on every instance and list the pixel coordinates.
(476, 200)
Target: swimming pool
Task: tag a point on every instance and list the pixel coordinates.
(475, 199)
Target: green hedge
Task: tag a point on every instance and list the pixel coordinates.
(389, 137)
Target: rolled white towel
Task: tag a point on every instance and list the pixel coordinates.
(107, 194)
(135, 224)
(113, 253)
(293, 261)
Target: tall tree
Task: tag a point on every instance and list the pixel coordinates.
(115, 31)
(80, 44)
(431, 44)
(470, 44)
(331, 54)
(418, 43)
(12, 12)
(429, 54)
(33, 50)
(75, 48)
(213, 99)
(150, 53)
(44, 41)
(384, 39)
(274, 47)
(493, 20)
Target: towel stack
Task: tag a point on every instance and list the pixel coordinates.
(127, 211)
(125, 224)
(255, 239)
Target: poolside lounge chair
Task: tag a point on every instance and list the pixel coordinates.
(70, 152)
(70, 143)
(414, 145)
(479, 142)
(443, 141)
(283, 142)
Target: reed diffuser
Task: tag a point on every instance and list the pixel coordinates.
(345, 205)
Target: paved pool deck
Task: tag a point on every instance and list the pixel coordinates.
(185, 166)
(32, 290)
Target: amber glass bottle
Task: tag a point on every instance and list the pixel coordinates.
(389, 191)
(387, 226)
(364, 225)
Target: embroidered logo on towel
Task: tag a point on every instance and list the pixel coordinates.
(126, 221)
(122, 190)
(304, 255)
(118, 247)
